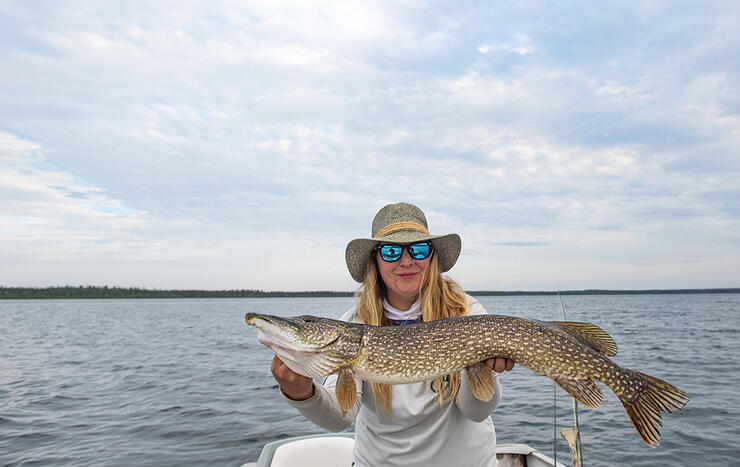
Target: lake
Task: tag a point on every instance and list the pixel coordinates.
(184, 381)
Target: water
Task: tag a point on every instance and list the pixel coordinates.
(185, 382)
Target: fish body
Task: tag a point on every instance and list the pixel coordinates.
(574, 355)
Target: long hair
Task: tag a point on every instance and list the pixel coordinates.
(441, 298)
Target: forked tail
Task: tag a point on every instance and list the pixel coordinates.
(644, 411)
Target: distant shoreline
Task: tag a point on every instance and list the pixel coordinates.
(97, 292)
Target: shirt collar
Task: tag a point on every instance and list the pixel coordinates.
(412, 314)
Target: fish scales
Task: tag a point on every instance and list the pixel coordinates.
(573, 355)
(395, 353)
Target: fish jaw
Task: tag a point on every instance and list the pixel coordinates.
(279, 346)
(310, 363)
(309, 346)
(281, 333)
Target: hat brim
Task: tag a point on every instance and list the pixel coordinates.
(446, 247)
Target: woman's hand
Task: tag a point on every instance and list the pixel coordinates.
(499, 364)
(293, 385)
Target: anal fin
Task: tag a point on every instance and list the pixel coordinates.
(482, 381)
(584, 390)
(346, 391)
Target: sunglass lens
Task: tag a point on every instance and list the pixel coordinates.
(420, 250)
(391, 252)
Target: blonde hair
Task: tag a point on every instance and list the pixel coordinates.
(441, 297)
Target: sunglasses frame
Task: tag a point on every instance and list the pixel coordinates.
(406, 247)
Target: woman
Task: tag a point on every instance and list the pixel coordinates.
(432, 423)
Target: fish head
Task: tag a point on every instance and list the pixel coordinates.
(309, 345)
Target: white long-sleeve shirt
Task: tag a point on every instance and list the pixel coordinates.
(417, 431)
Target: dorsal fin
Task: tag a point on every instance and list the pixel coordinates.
(590, 334)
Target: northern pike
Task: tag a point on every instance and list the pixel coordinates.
(571, 354)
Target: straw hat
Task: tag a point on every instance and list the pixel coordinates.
(401, 223)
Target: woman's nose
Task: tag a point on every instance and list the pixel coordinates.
(406, 259)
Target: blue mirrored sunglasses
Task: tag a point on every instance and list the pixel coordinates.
(391, 253)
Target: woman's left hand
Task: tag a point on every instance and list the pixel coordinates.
(499, 364)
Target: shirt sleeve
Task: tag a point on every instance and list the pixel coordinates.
(472, 407)
(322, 408)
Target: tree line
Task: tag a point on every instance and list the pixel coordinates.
(607, 292)
(90, 291)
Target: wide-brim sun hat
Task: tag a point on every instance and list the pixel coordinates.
(401, 223)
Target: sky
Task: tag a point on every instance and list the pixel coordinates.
(243, 144)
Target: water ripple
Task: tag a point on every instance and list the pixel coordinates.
(184, 382)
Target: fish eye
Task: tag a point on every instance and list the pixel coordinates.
(309, 319)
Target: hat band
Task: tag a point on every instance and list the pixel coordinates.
(396, 226)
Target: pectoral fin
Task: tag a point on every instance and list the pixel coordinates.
(346, 391)
(482, 382)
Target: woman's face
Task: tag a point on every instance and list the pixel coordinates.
(402, 278)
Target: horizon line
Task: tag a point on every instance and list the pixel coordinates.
(103, 292)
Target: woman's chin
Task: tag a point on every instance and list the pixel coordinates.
(408, 290)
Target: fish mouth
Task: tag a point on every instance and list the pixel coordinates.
(280, 334)
(270, 341)
(284, 337)
(274, 342)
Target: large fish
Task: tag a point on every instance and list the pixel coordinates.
(571, 354)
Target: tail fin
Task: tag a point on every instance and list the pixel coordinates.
(644, 411)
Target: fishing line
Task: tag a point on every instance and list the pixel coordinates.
(555, 424)
(573, 400)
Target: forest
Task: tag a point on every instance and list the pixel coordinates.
(97, 292)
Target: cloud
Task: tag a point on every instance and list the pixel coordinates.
(163, 140)
(26, 175)
(521, 44)
(49, 213)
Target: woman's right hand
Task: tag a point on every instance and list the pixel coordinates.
(293, 385)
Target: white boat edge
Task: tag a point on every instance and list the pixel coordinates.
(335, 449)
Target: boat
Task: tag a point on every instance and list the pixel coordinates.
(335, 450)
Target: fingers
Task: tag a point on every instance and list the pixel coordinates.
(282, 373)
(499, 364)
(276, 362)
(509, 364)
(294, 385)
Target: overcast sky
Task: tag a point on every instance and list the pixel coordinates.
(243, 144)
